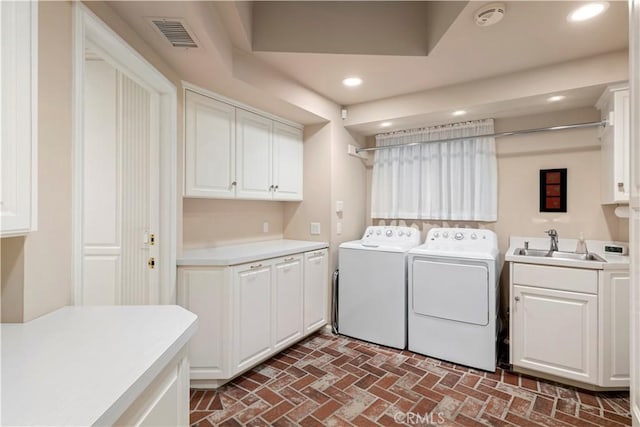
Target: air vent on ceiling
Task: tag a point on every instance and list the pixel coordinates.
(175, 31)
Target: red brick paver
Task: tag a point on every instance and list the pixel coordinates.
(329, 380)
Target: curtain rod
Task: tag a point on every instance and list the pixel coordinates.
(492, 135)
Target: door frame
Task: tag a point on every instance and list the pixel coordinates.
(634, 205)
(89, 29)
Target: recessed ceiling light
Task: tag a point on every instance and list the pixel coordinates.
(588, 11)
(556, 98)
(459, 113)
(352, 81)
(385, 124)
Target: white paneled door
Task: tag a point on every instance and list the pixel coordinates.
(120, 198)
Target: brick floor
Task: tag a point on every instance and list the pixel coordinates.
(329, 380)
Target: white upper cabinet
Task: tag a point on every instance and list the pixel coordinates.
(287, 162)
(210, 148)
(254, 136)
(234, 153)
(614, 109)
(18, 117)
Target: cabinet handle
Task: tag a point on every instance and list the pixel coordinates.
(517, 299)
(621, 185)
(271, 188)
(276, 188)
(289, 259)
(256, 266)
(234, 183)
(318, 253)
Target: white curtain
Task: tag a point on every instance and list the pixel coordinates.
(440, 180)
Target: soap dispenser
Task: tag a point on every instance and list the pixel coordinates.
(581, 247)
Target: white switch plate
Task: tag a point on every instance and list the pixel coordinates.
(339, 206)
(265, 227)
(339, 228)
(315, 228)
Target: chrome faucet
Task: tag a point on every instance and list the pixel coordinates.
(553, 234)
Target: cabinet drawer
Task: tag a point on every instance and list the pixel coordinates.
(560, 278)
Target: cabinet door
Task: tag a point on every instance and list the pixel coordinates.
(252, 305)
(316, 289)
(253, 156)
(615, 145)
(622, 144)
(614, 329)
(205, 292)
(287, 162)
(287, 319)
(209, 147)
(555, 332)
(18, 112)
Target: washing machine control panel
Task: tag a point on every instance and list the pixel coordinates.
(393, 235)
(461, 239)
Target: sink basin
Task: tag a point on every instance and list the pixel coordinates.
(558, 254)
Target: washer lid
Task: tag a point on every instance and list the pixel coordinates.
(386, 238)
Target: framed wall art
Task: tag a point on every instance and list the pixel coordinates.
(553, 190)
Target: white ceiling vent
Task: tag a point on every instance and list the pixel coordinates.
(174, 31)
(489, 14)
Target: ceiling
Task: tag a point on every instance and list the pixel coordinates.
(395, 47)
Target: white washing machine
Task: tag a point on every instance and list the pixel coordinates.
(453, 297)
(372, 289)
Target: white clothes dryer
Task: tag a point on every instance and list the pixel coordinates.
(372, 286)
(453, 297)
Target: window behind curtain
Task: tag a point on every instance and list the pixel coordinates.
(439, 180)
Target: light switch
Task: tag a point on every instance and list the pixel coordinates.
(315, 228)
(339, 206)
(265, 227)
(339, 228)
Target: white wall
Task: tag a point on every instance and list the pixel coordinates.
(47, 252)
(212, 223)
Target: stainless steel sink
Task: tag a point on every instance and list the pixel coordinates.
(558, 254)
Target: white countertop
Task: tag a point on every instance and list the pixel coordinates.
(81, 366)
(248, 252)
(613, 262)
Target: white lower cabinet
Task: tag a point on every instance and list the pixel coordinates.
(614, 312)
(555, 332)
(287, 301)
(249, 312)
(252, 312)
(207, 292)
(316, 299)
(570, 323)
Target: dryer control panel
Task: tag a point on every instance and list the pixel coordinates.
(461, 240)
